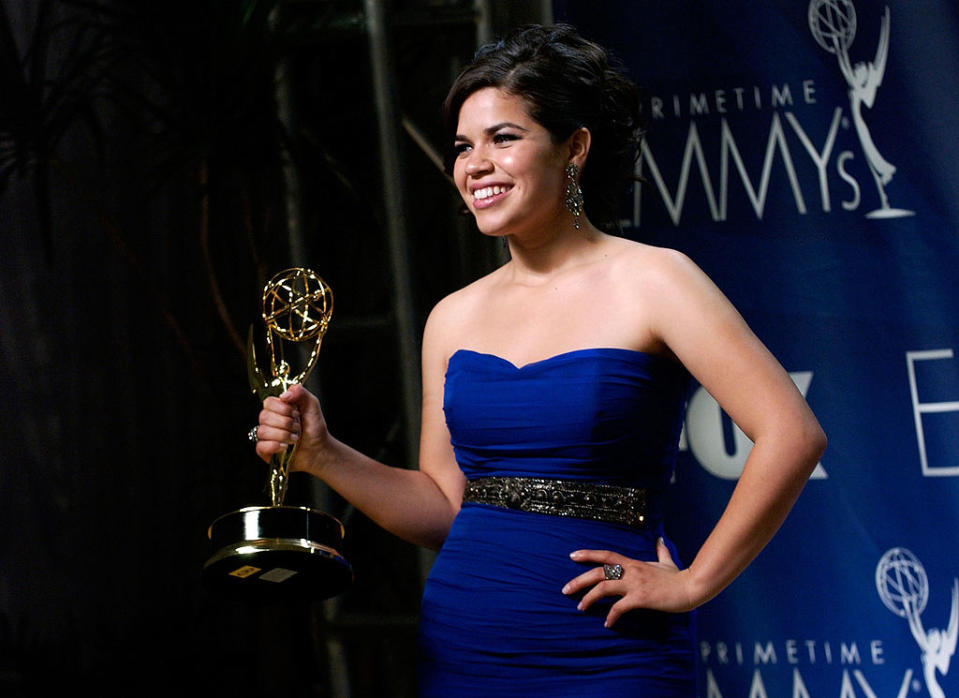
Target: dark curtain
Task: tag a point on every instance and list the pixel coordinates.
(136, 231)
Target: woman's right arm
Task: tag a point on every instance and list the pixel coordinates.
(417, 505)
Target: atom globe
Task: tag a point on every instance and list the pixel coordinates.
(902, 583)
(832, 23)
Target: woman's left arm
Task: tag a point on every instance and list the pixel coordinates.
(699, 325)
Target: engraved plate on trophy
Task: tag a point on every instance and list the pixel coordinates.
(278, 551)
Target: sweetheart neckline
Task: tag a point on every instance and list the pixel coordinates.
(568, 354)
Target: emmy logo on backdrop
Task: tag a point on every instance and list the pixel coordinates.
(904, 588)
(833, 25)
(281, 552)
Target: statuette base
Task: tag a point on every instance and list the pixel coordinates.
(277, 553)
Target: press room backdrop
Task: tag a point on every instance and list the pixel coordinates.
(804, 153)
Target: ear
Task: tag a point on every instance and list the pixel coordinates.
(578, 143)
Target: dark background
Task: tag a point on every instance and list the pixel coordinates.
(158, 163)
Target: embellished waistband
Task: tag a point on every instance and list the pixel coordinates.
(583, 500)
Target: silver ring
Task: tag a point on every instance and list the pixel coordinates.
(251, 435)
(613, 571)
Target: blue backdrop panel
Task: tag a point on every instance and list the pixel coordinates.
(805, 154)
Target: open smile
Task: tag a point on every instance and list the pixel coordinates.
(487, 196)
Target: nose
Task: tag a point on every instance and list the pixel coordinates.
(477, 164)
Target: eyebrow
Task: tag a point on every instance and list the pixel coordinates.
(490, 130)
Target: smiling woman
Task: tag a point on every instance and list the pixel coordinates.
(507, 168)
(554, 391)
(570, 84)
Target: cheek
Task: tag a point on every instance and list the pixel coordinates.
(552, 182)
(459, 178)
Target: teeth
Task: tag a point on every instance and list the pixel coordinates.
(487, 192)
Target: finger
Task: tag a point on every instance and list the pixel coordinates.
(298, 397)
(294, 393)
(268, 419)
(284, 434)
(617, 610)
(600, 591)
(587, 579)
(267, 449)
(279, 406)
(598, 556)
(305, 402)
(663, 554)
(284, 437)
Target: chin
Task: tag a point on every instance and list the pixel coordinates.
(494, 233)
(490, 228)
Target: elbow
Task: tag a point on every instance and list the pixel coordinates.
(821, 443)
(434, 538)
(812, 442)
(801, 442)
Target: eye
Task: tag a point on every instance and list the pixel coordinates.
(504, 138)
(460, 148)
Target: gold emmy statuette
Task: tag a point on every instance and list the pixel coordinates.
(277, 551)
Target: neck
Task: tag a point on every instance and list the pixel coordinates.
(536, 259)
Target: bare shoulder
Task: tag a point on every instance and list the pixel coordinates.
(448, 319)
(655, 269)
(675, 294)
(662, 260)
(452, 309)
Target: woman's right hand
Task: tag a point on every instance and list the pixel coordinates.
(293, 417)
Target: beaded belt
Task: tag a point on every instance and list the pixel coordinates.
(583, 500)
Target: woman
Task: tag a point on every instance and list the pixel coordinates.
(553, 398)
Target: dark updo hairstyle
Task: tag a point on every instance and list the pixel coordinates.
(567, 82)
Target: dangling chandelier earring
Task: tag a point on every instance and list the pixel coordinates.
(574, 195)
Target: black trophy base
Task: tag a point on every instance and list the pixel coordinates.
(277, 554)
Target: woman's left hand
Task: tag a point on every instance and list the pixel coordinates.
(659, 585)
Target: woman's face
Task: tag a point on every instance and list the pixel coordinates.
(508, 170)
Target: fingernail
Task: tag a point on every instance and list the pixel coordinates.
(284, 395)
(575, 554)
(566, 589)
(579, 606)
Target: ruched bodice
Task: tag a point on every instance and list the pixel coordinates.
(604, 415)
(494, 620)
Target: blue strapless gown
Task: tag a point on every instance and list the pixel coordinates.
(494, 621)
